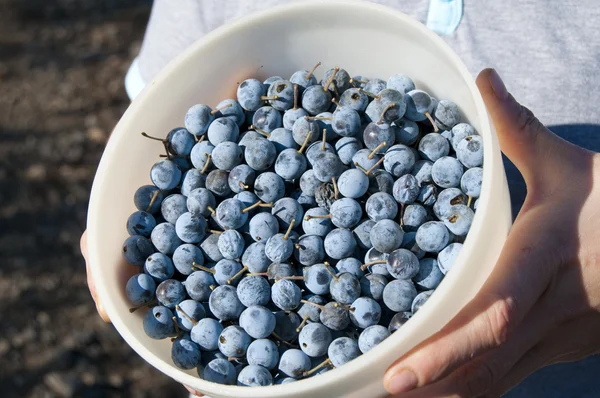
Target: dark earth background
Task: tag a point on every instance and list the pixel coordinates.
(62, 65)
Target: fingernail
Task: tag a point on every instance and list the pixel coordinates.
(102, 313)
(498, 85)
(192, 391)
(404, 381)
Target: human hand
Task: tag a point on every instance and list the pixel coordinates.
(90, 279)
(541, 303)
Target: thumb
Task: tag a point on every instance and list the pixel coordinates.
(523, 138)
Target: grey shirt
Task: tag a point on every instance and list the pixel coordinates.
(547, 51)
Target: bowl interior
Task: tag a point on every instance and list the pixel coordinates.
(363, 38)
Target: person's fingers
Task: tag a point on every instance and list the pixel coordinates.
(83, 245)
(102, 312)
(90, 279)
(518, 280)
(84, 252)
(523, 138)
(92, 287)
(481, 373)
(573, 340)
(524, 271)
(193, 392)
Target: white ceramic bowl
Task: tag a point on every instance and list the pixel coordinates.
(364, 39)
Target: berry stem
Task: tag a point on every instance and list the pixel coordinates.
(377, 148)
(387, 108)
(308, 216)
(344, 306)
(302, 324)
(368, 93)
(313, 304)
(331, 272)
(367, 265)
(317, 118)
(154, 138)
(324, 139)
(212, 211)
(258, 274)
(326, 362)
(203, 268)
(189, 318)
(152, 200)
(291, 278)
(244, 269)
(295, 97)
(251, 207)
(358, 166)
(217, 110)
(212, 287)
(335, 71)
(150, 304)
(242, 185)
(335, 101)
(305, 142)
(208, 158)
(402, 214)
(287, 233)
(282, 340)
(433, 123)
(267, 98)
(372, 169)
(312, 70)
(165, 143)
(260, 131)
(468, 201)
(352, 80)
(336, 191)
(214, 231)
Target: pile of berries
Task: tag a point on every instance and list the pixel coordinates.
(290, 230)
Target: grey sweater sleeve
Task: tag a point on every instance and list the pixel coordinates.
(175, 24)
(172, 27)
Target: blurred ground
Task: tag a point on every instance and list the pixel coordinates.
(62, 65)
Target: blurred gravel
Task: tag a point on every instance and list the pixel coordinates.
(62, 65)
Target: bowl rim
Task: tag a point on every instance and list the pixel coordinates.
(335, 376)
